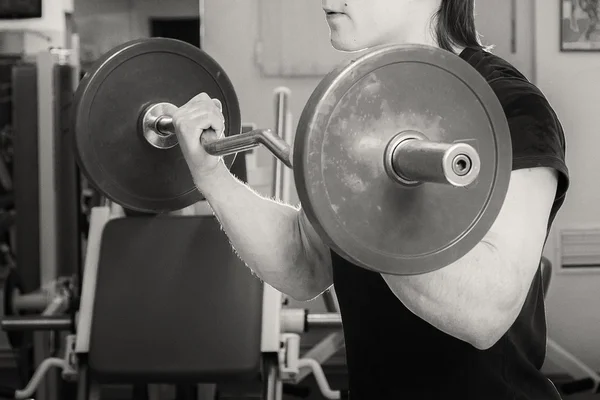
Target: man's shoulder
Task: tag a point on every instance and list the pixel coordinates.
(508, 83)
(535, 129)
(491, 66)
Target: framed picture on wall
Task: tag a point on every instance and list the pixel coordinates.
(579, 25)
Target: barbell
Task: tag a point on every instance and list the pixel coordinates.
(401, 158)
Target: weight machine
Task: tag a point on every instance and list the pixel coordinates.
(185, 311)
(46, 195)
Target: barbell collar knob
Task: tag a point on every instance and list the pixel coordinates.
(411, 160)
(157, 125)
(165, 126)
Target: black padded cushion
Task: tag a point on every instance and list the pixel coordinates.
(173, 304)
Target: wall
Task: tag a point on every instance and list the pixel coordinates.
(105, 24)
(231, 33)
(570, 81)
(40, 33)
(230, 36)
(488, 17)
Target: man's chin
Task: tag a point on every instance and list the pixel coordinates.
(346, 47)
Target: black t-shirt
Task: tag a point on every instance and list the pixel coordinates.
(394, 354)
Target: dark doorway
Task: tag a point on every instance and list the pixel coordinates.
(184, 29)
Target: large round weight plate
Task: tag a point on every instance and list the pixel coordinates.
(357, 209)
(111, 149)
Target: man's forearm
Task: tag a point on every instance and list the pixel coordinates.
(265, 234)
(473, 299)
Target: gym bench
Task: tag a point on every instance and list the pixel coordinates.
(165, 300)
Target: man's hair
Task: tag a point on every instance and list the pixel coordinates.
(455, 24)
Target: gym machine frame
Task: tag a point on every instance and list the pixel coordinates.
(55, 75)
(281, 327)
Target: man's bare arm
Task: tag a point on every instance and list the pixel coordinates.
(275, 240)
(478, 298)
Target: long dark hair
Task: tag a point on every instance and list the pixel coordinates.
(455, 24)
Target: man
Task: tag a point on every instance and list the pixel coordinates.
(474, 329)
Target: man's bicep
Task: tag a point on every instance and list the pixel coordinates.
(520, 230)
(539, 175)
(316, 250)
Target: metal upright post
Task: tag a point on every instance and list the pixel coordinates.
(59, 251)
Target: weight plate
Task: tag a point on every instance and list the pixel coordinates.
(351, 116)
(111, 149)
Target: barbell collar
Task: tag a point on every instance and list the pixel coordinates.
(165, 125)
(159, 130)
(157, 126)
(411, 160)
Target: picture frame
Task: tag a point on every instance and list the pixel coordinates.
(579, 25)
